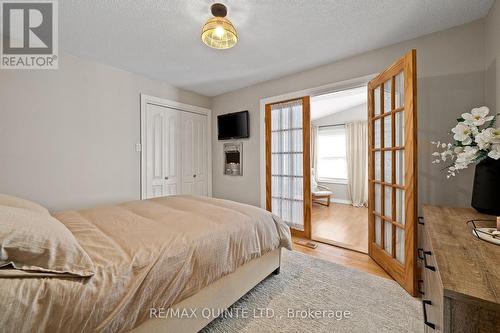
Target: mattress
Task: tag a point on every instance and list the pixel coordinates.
(147, 254)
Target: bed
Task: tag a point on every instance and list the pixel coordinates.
(181, 252)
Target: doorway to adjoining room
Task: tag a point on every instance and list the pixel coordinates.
(339, 168)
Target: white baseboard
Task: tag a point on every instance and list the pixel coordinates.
(342, 201)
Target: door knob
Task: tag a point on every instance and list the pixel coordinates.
(194, 176)
(166, 178)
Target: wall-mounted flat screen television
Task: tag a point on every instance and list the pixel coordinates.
(233, 126)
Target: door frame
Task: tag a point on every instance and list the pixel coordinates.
(148, 99)
(311, 92)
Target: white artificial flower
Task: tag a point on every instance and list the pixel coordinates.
(477, 116)
(468, 156)
(484, 139)
(495, 134)
(474, 130)
(445, 154)
(451, 172)
(474, 140)
(438, 144)
(487, 137)
(462, 133)
(495, 152)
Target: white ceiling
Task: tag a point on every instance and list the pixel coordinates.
(327, 104)
(161, 38)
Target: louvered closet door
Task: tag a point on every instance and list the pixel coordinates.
(194, 154)
(393, 170)
(162, 151)
(287, 163)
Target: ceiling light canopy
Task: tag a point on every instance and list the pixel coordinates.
(219, 32)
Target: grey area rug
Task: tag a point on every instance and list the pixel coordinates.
(346, 300)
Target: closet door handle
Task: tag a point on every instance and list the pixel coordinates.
(426, 322)
(166, 178)
(419, 287)
(428, 253)
(421, 220)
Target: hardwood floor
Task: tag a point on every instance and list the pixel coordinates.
(342, 257)
(342, 225)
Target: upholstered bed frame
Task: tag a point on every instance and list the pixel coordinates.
(217, 296)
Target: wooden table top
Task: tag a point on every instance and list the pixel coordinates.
(469, 268)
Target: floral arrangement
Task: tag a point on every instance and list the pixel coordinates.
(476, 139)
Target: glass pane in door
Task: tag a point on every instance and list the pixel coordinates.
(399, 90)
(400, 206)
(387, 96)
(388, 237)
(389, 166)
(377, 134)
(378, 166)
(387, 132)
(400, 245)
(287, 163)
(376, 96)
(378, 230)
(399, 130)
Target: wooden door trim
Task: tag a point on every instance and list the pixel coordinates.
(268, 158)
(411, 165)
(389, 72)
(306, 160)
(371, 170)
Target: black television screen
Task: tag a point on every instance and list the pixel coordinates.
(233, 126)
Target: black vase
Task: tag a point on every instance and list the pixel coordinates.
(486, 191)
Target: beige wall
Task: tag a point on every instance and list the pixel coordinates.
(67, 137)
(492, 46)
(451, 81)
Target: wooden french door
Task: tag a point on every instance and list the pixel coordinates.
(288, 175)
(392, 110)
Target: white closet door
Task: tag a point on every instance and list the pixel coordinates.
(163, 154)
(194, 154)
(200, 149)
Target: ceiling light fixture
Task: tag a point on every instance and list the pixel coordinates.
(219, 32)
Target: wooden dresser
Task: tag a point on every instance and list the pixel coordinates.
(460, 280)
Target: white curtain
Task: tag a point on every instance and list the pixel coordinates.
(357, 162)
(287, 163)
(314, 152)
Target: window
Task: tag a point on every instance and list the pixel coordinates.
(332, 163)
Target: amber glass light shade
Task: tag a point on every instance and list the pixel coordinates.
(219, 33)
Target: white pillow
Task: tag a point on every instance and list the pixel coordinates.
(11, 201)
(35, 242)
